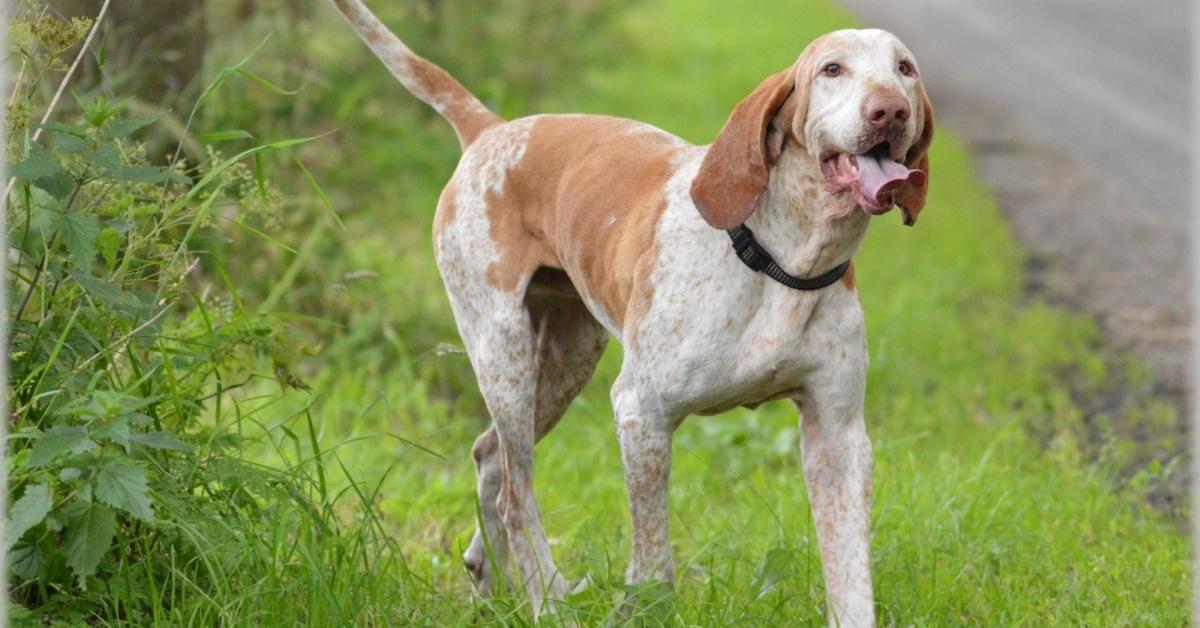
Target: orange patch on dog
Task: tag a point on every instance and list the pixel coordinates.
(586, 198)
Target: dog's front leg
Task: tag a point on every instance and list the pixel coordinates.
(837, 471)
(645, 438)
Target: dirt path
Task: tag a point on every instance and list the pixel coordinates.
(1077, 113)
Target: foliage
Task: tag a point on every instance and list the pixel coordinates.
(125, 453)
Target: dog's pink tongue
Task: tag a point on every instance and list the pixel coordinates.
(879, 175)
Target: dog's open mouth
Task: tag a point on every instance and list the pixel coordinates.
(872, 177)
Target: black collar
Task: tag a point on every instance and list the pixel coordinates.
(758, 259)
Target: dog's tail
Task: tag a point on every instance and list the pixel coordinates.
(426, 81)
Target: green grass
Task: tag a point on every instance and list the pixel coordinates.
(980, 518)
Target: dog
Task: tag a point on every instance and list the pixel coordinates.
(722, 270)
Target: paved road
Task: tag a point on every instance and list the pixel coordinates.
(1078, 115)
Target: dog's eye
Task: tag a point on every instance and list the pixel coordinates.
(832, 69)
(906, 68)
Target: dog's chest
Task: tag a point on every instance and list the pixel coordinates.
(749, 348)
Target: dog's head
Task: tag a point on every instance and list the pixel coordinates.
(855, 103)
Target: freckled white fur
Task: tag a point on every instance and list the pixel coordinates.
(869, 59)
(716, 336)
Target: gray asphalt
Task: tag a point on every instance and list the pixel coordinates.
(1078, 116)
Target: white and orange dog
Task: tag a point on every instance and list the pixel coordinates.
(557, 231)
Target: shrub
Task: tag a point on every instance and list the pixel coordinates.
(132, 494)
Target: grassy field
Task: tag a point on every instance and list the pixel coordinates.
(986, 511)
(990, 507)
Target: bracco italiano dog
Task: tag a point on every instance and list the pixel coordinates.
(723, 271)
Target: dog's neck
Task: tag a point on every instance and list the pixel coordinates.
(805, 229)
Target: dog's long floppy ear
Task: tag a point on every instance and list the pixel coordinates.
(734, 172)
(910, 197)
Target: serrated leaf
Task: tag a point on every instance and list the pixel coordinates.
(160, 440)
(25, 560)
(123, 485)
(57, 186)
(105, 291)
(88, 537)
(69, 129)
(777, 565)
(79, 232)
(117, 432)
(68, 138)
(224, 136)
(71, 144)
(109, 242)
(28, 511)
(129, 125)
(56, 442)
(37, 164)
(106, 159)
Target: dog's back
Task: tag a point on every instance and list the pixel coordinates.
(579, 193)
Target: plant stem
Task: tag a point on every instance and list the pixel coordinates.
(37, 272)
(87, 42)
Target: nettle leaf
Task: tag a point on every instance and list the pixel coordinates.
(129, 125)
(109, 242)
(160, 440)
(123, 485)
(58, 441)
(25, 560)
(105, 291)
(37, 164)
(106, 159)
(68, 138)
(28, 511)
(68, 129)
(778, 565)
(117, 432)
(68, 144)
(79, 232)
(58, 186)
(89, 535)
(98, 110)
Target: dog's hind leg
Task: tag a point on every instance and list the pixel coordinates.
(568, 343)
(487, 555)
(502, 347)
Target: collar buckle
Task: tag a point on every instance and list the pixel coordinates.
(748, 249)
(757, 259)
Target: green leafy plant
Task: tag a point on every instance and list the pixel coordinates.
(124, 459)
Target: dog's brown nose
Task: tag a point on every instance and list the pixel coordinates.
(885, 108)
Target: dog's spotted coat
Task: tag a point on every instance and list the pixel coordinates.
(557, 231)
